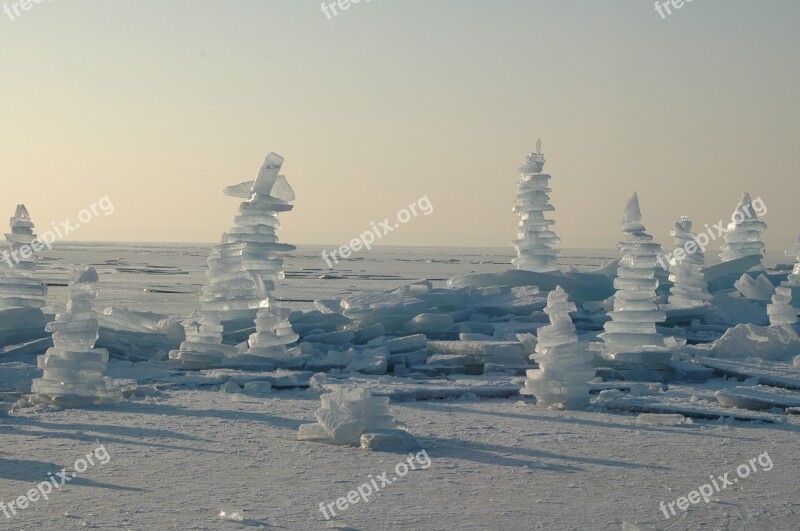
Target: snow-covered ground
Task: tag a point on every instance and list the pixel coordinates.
(179, 459)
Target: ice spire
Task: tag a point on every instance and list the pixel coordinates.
(535, 240)
(631, 337)
(743, 236)
(686, 271)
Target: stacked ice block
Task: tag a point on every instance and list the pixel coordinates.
(203, 346)
(793, 281)
(21, 296)
(690, 288)
(781, 311)
(565, 364)
(73, 368)
(347, 414)
(273, 333)
(250, 248)
(535, 240)
(743, 237)
(631, 339)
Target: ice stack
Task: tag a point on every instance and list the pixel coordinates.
(781, 311)
(793, 282)
(686, 270)
(565, 364)
(73, 368)
(535, 240)
(631, 340)
(203, 346)
(21, 296)
(250, 249)
(743, 236)
(273, 334)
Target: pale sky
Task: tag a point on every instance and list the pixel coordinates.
(161, 104)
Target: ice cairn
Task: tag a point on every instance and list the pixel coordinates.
(73, 368)
(348, 416)
(630, 338)
(250, 248)
(21, 296)
(534, 238)
(743, 236)
(781, 311)
(689, 286)
(203, 346)
(793, 281)
(565, 364)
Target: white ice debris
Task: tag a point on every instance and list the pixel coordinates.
(630, 337)
(565, 364)
(73, 368)
(686, 271)
(346, 414)
(769, 343)
(662, 419)
(743, 237)
(535, 240)
(760, 288)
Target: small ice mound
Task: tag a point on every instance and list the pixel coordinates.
(662, 419)
(346, 414)
(768, 343)
(686, 272)
(781, 311)
(396, 440)
(565, 363)
(236, 515)
(203, 347)
(535, 240)
(273, 334)
(72, 367)
(743, 237)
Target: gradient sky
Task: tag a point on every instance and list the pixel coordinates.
(161, 104)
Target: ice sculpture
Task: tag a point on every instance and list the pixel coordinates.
(743, 236)
(21, 296)
(565, 364)
(535, 240)
(250, 248)
(273, 333)
(347, 414)
(690, 288)
(73, 367)
(781, 310)
(759, 288)
(630, 337)
(793, 281)
(203, 346)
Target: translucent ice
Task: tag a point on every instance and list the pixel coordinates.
(743, 237)
(73, 368)
(535, 240)
(686, 271)
(347, 414)
(565, 364)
